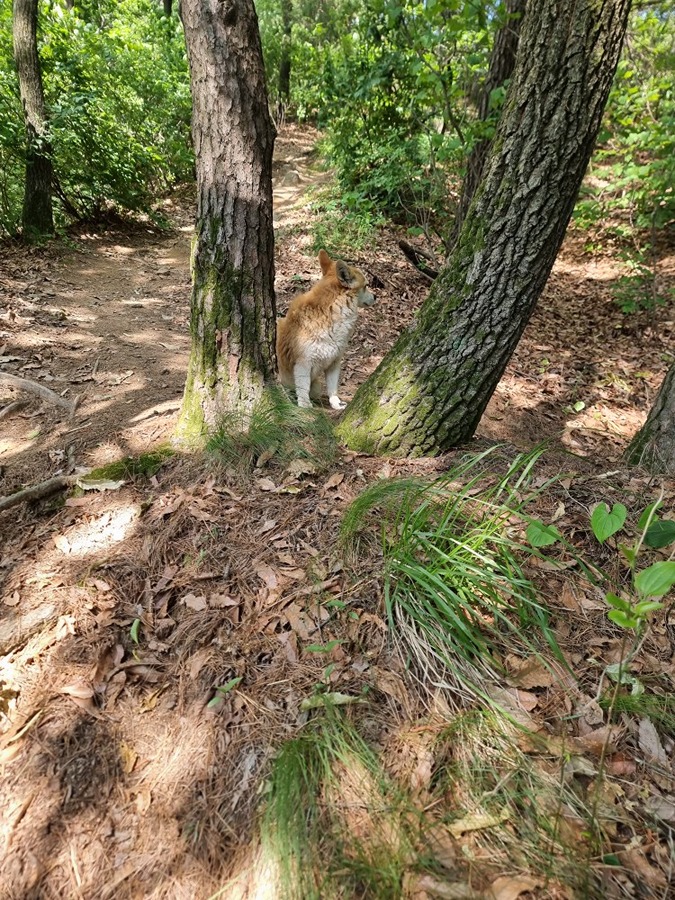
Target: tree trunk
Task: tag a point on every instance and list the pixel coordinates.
(37, 215)
(654, 445)
(429, 392)
(168, 6)
(502, 61)
(285, 59)
(233, 312)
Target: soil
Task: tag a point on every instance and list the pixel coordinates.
(122, 611)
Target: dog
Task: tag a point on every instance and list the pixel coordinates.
(313, 337)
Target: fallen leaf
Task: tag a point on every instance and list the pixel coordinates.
(662, 808)
(222, 601)
(334, 480)
(193, 602)
(509, 887)
(332, 699)
(266, 484)
(129, 757)
(62, 543)
(80, 693)
(301, 467)
(99, 484)
(13, 600)
(478, 822)
(432, 888)
(650, 743)
(267, 525)
(267, 574)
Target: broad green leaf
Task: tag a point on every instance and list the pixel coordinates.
(617, 602)
(644, 607)
(650, 511)
(656, 580)
(540, 535)
(222, 690)
(605, 523)
(625, 620)
(133, 633)
(660, 534)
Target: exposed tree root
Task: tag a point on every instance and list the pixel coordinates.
(37, 491)
(32, 387)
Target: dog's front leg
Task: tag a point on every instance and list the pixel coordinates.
(332, 379)
(302, 376)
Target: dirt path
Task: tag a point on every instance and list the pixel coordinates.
(106, 318)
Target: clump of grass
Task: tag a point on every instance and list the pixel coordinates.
(277, 430)
(536, 818)
(455, 590)
(660, 709)
(333, 821)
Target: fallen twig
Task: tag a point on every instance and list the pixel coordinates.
(37, 491)
(40, 390)
(413, 255)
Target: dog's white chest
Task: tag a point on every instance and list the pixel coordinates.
(328, 346)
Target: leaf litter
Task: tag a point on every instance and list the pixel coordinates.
(126, 779)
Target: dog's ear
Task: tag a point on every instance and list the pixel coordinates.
(345, 275)
(325, 262)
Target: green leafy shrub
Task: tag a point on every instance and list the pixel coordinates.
(117, 92)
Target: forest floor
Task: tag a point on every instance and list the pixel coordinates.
(123, 611)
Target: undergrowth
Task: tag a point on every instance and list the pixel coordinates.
(455, 590)
(277, 431)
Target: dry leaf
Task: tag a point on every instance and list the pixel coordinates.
(267, 525)
(662, 808)
(266, 484)
(478, 822)
(334, 480)
(510, 887)
(222, 601)
(650, 743)
(195, 603)
(80, 692)
(431, 888)
(443, 846)
(267, 574)
(62, 543)
(13, 600)
(129, 758)
(301, 467)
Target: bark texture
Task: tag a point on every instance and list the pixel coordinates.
(502, 62)
(233, 312)
(654, 445)
(429, 392)
(37, 214)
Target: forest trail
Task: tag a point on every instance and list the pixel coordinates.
(105, 316)
(159, 642)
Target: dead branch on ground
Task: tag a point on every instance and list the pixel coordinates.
(37, 491)
(32, 387)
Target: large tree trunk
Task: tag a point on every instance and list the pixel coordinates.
(502, 62)
(232, 308)
(654, 445)
(429, 392)
(37, 215)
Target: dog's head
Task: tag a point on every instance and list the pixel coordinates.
(349, 278)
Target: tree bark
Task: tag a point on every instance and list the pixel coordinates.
(502, 62)
(37, 214)
(233, 314)
(168, 6)
(654, 445)
(429, 392)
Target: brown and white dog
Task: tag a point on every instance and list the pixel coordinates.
(313, 337)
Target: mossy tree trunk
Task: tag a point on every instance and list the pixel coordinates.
(232, 306)
(502, 62)
(654, 445)
(429, 392)
(37, 214)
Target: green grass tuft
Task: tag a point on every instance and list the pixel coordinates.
(277, 429)
(456, 594)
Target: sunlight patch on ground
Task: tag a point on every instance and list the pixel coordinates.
(9, 447)
(100, 533)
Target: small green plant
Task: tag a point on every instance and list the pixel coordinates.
(222, 691)
(277, 430)
(455, 590)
